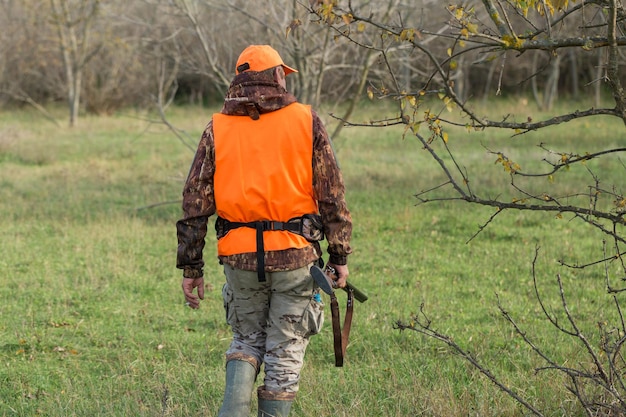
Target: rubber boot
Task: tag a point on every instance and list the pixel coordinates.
(274, 404)
(240, 377)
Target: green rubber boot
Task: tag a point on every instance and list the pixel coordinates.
(240, 377)
(274, 404)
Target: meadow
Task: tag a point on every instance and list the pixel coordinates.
(92, 316)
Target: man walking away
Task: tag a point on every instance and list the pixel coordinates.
(266, 167)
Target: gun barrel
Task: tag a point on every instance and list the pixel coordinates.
(358, 294)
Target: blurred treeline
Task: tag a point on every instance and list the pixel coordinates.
(102, 55)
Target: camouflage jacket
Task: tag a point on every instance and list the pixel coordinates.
(251, 94)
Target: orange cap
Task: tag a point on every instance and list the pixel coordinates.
(260, 58)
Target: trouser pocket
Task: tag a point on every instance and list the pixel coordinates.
(229, 307)
(312, 317)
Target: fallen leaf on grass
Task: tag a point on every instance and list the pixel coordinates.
(62, 349)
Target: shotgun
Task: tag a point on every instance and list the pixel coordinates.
(340, 336)
(360, 296)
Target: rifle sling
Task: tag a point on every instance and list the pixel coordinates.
(341, 337)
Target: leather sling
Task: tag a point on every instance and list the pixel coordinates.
(341, 336)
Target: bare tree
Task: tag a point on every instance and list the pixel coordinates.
(95, 53)
(221, 29)
(504, 32)
(25, 67)
(73, 20)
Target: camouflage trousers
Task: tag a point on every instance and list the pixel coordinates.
(272, 321)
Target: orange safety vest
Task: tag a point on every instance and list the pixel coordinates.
(263, 171)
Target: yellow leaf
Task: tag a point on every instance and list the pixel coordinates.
(444, 136)
(508, 40)
(407, 34)
(588, 45)
(450, 104)
(360, 27)
(327, 13)
(347, 18)
(560, 4)
(449, 51)
(293, 25)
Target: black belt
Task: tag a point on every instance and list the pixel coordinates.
(260, 227)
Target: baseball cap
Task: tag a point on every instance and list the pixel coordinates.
(260, 58)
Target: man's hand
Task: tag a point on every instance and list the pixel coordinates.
(188, 285)
(341, 276)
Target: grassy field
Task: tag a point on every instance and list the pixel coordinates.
(92, 316)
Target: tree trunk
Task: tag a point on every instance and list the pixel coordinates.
(598, 78)
(573, 66)
(73, 32)
(551, 89)
(489, 79)
(533, 83)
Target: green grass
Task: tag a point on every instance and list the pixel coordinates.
(93, 321)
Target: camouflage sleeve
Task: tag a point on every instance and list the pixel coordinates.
(329, 191)
(198, 206)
